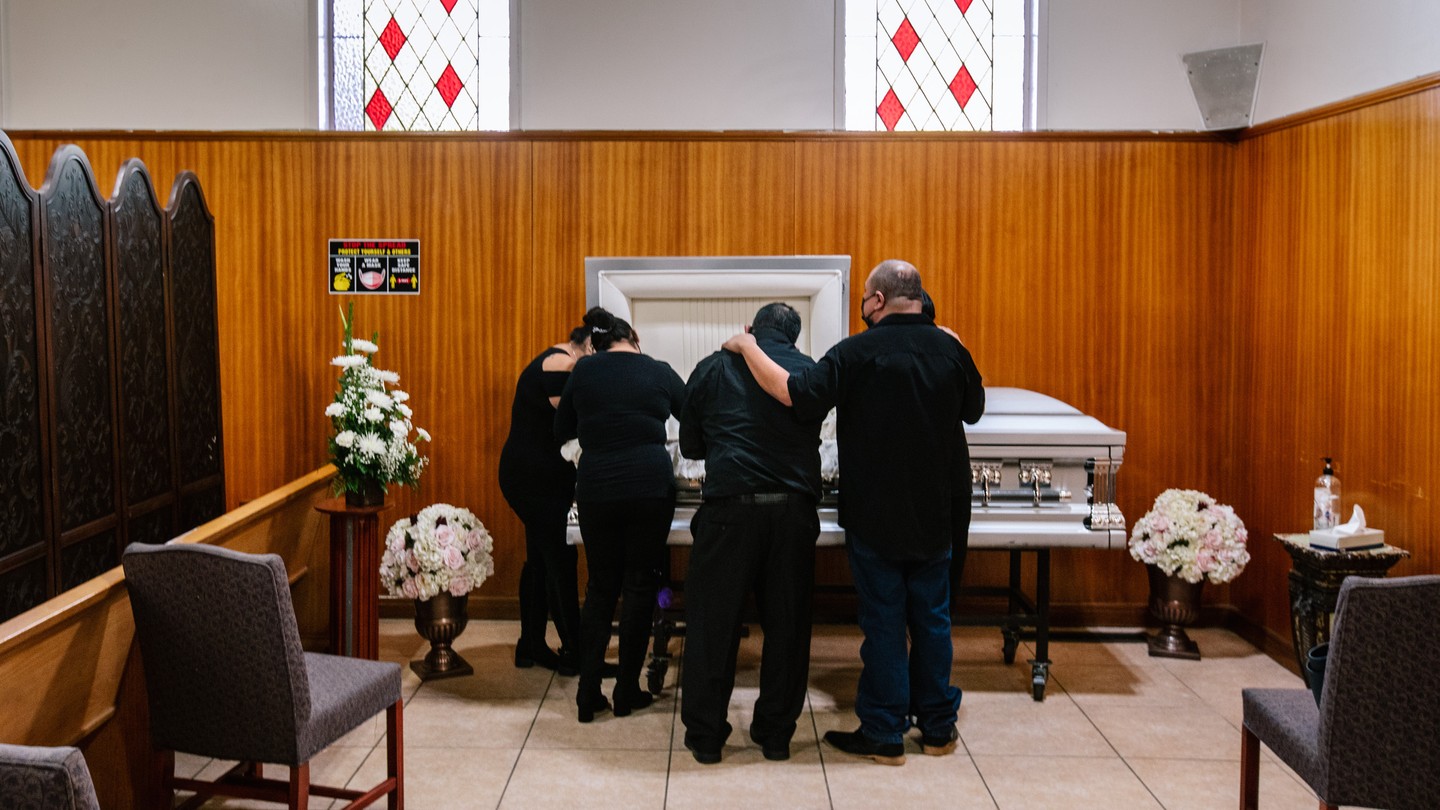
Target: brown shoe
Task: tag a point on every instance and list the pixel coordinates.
(941, 745)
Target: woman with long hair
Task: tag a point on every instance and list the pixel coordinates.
(616, 402)
(539, 485)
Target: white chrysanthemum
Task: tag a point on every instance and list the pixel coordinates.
(379, 400)
(399, 428)
(362, 345)
(423, 433)
(399, 396)
(370, 445)
(373, 415)
(387, 376)
(349, 360)
(334, 409)
(345, 438)
(405, 409)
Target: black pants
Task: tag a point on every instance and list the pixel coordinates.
(549, 585)
(770, 548)
(624, 550)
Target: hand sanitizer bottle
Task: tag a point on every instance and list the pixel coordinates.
(1327, 498)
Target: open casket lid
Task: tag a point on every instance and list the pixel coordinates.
(1016, 416)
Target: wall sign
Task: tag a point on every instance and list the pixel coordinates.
(374, 266)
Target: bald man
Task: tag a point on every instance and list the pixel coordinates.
(901, 390)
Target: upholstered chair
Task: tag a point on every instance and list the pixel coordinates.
(227, 678)
(1374, 740)
(33, 778)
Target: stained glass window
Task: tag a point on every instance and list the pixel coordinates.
(939, 64)
(424, 65)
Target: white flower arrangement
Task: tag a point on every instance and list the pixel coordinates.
(371, 440)
(1188, 535)
(443, 549)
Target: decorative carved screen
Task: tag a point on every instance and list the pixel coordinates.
(94, 359)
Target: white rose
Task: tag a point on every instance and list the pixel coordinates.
(345, 438)
(334, 409)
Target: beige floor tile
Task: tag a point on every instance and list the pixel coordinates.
(1093, 685)
(979, 681)
(1016, 725)
(1207, 784)
(1033, 783)
(590, 779)
(445, 778)
(556, 726)
(1167, 732)
(453, 723)
(745, 779)
(951, 782)
(187, 765)
(1093, 653)
(1219, 682)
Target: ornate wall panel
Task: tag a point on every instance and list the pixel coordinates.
(23, 587)
(198, 507)
(88, 558)
(197, 362)
(22, 516)
(144, 373)
(154, 526)
(80, 351)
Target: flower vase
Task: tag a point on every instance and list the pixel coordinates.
(1174, 603)
(440, 620)
(370, 493)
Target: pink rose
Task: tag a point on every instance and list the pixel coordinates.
(408, 588)
(445, 536)
(459, 586)
(472, 540)
(411, 561)
(454, 560)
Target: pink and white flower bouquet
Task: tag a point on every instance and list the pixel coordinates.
(1188, 535)
(442, 549)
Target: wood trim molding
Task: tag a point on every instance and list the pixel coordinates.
(1371, 99)
(637, 136)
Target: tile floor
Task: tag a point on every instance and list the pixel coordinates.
(1116, 730)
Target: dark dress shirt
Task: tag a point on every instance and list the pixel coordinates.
(750, 442)
(616, 403)
(902, 389)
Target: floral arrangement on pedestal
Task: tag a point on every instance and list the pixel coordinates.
(1187, 535)
(442, 550)
(371, 444)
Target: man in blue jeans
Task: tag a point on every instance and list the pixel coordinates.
(902, 390)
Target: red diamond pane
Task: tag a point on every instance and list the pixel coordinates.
(962, 87)
(379, 109)
(450, 5)
(449, 85)
(964, 5)
(392, 38)
(905, 39)
(890, 110)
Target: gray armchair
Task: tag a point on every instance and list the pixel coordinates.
(1374, 740)
(227, 677)
(33, 778)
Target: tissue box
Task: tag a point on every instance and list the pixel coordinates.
(1332, 540)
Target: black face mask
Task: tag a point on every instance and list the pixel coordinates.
(868, 323)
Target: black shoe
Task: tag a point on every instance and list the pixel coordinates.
(774, 750)
(941, 745)
(568, 663)
(542, 656)
(703, 755)
(627, 701)
(587, 708)
(857, 744)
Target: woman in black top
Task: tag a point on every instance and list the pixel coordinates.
(539, 485)
(616, 402)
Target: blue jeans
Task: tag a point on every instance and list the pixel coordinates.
(896, 598)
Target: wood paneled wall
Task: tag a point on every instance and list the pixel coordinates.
(1333, 329)
(1092, 268)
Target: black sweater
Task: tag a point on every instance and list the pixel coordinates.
(616, 403)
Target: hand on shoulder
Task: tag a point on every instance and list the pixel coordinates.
(739, 342)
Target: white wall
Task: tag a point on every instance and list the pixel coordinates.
(1115, 64)
(158, 64)
(1319, 51)
(681, 64)
(677, 64)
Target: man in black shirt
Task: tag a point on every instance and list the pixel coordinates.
(902, 390)
(756, 529)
